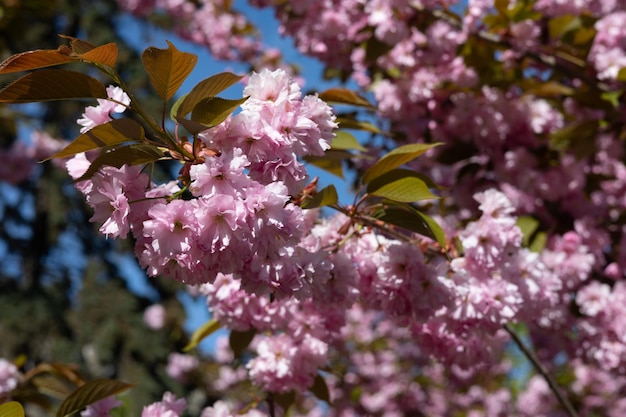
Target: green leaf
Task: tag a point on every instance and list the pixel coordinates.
(434, 231)
(175, 107)
(324, 197)
(396, 158)
(577, 137)
(332, 161)
(550, 89)
(613, 97)
(214, 110)
(413, 220)
(11, 409)
(330, 165)
(201, 333)
(206, 114)
(192, 127)
(561, 25)
(111, 133)
(52, 84)
(133, 154)
(539, 242)
(206, 88)
(104, 54)
(239, 341)
(30, 60)
(345, 96)
(528, 226)
(375, 48)
(350, 123)
(401, 185)
(502, 6)
(167, 68)
(346, 141)
(320, 389)
(89, 393)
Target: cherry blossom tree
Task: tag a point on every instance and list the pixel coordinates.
(479, 270)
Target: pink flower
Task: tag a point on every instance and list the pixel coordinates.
(101, 408)
(223, 409)
(117, 102)
(154, 316)
(16, 163)
(179, 365)
(9, 377)
(222, 174)
(270, 88)
(172, 230)
(283, 365)
(169, 406)
(593, 298)
(110, 192)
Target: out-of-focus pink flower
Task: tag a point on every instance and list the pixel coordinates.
(179, 365)
(154, 316)
(9, 377)
(101, 408)
(169, 406)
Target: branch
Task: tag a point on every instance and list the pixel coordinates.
(565, 403)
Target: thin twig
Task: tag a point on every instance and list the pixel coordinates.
(270, 403)
(563, 400)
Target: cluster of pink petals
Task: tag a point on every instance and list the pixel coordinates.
(240, 219)
(608, 51)
(179, 365)
(169, 406)
(567, 7)
(213, 24)
(117, 102)
(19, 161)
(9, 377)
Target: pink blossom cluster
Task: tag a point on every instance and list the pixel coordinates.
(602, 326)
(292, 335)
(172, 406)
(213, 24)
(224, 409)
(607, 53)
(9, 378)
(597, 393)
(18, 162)
(117, 102)
(240, 219)
(169, 406)
(180, 365)
(565, 7)
(455, 311)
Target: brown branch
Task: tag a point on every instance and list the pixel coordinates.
(563, 400)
